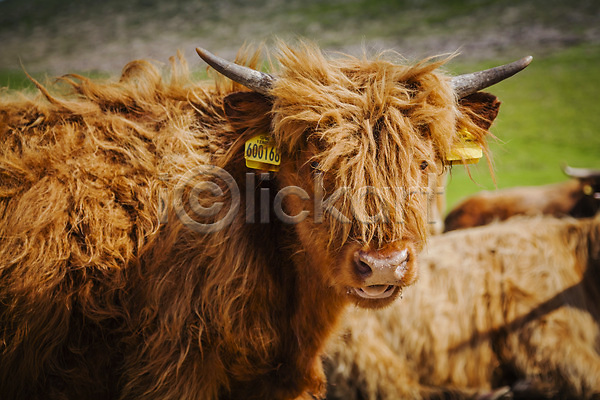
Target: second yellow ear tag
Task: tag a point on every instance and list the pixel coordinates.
(261, 153)
(466, 151)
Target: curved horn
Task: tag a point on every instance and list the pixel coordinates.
(258, 81)
(581, 173)
(467, 84)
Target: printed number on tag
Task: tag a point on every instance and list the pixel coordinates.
(261, 149)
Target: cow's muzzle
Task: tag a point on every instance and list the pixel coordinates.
(380, 273)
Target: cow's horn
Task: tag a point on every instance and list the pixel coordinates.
(581, 173)
(467, 84)
(258, 81)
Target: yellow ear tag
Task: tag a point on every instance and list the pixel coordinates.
(261, 153)
(466, 151)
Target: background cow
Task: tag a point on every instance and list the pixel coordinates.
(514, 303)
(99, 300)
(578, 197)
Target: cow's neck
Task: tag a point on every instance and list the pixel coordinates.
(300, 307)
(305, 312)
(294, 267)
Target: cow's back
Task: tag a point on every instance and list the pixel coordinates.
(494, 304)
(80, 178)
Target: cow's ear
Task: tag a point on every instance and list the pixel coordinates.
(248, 110)
(483, 106)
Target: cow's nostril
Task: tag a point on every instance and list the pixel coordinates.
(362, 268)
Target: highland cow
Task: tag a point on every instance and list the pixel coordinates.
(510, 305)
(152, 249)
(578, 197)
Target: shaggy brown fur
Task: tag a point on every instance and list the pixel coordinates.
(575, 197)
(99, 300)
(516, 304)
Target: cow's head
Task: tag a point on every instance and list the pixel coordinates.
(360, 139)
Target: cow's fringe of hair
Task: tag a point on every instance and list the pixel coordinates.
(394, 107)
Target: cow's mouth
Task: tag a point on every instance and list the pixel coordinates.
(375, 291)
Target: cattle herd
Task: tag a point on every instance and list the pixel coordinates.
(258, 237)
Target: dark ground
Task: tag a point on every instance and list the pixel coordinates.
(61, 36)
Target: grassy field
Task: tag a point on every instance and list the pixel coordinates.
(549, 117)
(13, 80)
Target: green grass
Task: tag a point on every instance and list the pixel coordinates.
(15, 80)
(549, 117)
(11, 80)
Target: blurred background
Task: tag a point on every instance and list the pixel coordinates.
(550, 113)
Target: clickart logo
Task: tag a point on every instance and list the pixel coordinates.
(207, 199)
